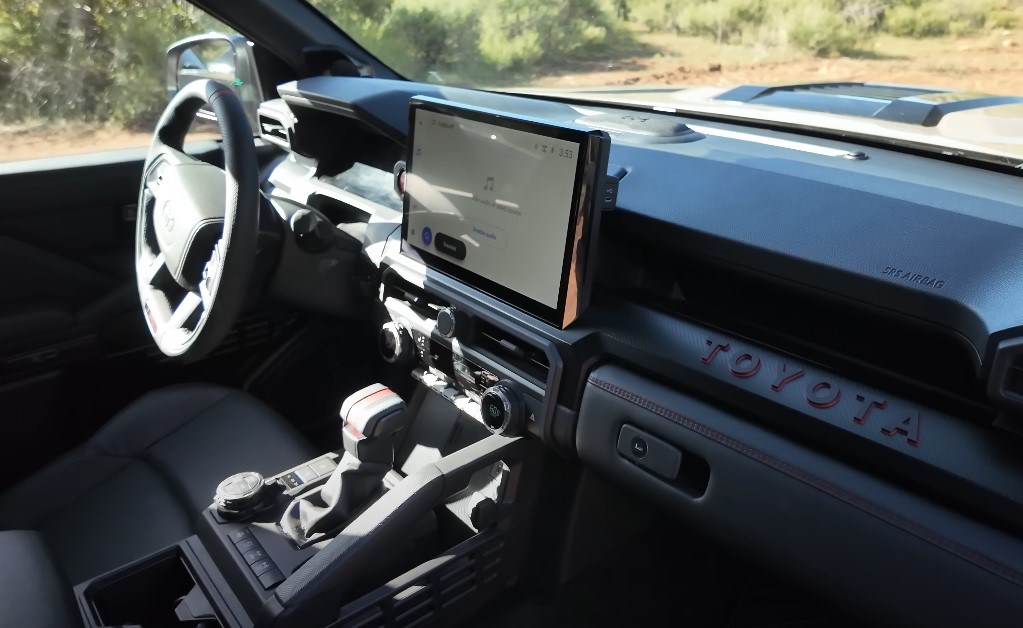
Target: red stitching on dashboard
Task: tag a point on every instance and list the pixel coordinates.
(922, 533)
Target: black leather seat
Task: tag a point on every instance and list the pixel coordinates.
(33, 592)
(139, 484)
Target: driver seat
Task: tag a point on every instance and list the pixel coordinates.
(138, 485)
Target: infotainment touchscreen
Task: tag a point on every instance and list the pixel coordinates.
(504, 203)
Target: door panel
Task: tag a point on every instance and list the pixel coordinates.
(73, 345)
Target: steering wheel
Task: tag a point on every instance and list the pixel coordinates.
(195, 237)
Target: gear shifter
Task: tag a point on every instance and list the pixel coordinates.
(372, 418)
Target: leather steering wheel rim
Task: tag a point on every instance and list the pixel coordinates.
(195, 237)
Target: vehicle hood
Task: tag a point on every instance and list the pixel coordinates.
(980, 126)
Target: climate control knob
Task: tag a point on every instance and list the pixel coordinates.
(395, 343)
(502, 409)
(450, 322)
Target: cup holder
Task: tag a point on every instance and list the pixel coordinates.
(144, 593)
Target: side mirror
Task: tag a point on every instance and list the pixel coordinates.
(225, 58)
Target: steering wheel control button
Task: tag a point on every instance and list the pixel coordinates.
(649, 452)
(395, 343)
(639, 447)
(450, 322)
(502, 409)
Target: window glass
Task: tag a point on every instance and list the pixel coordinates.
(88, 76)
(972, 45)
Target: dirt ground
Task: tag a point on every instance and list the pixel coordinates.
(50, 141)
(991, 62)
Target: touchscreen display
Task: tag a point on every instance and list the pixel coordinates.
(495, 201)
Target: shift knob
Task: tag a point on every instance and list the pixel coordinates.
(371, 418)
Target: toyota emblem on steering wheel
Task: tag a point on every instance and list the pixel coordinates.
(168, 217)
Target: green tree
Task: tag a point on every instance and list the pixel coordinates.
(98, 61)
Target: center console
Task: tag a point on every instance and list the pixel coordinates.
(430, 537)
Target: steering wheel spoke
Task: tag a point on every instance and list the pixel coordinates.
(149, 267)
(211, 272)
(185, 311)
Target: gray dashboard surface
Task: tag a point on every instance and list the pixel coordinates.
(936, 241)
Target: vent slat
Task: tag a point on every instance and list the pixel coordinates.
(524, 357)
(273, 130)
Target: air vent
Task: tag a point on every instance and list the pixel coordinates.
(275, 123)
(1014, 378)
(513, 351)
(274, 131)
(416, 297)
(1005, 383)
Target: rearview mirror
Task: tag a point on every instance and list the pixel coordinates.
(225, 58)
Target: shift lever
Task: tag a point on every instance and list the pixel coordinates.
(371, 419)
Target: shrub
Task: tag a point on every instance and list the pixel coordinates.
(516, 33)
(906, 21)
(504, 47)
(474, 39)
(935, 18)
(424, 39)
(102, 62)
(1001, 18)
(724, 20)
(822, 32)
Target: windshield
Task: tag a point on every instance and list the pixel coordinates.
(968, 45)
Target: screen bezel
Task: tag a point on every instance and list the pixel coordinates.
(577, 256)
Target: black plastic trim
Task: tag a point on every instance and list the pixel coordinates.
(916, 529)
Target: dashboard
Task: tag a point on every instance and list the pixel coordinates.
(808, 348)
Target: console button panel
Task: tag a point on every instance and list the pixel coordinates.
(261, 565)
(306, 473)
